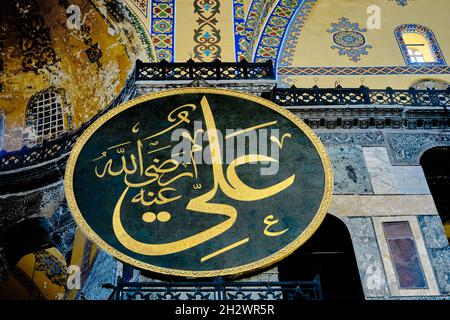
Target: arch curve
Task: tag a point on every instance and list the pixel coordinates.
(329, 254)
(435, 162)
(431, 44)
(48, 115)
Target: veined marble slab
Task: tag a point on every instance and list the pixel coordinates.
(382, 205)
(380, 170)
(387, 179)
(350, 172)
(411, 180)
(368, 257)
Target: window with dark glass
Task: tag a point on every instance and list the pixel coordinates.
(45, 116)
(404, 256)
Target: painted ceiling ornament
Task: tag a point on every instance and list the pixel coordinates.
(207, 37)
(349, 39)
(259, 9)
(54, 269)
(241, 44)
(402, 2)
(274, 31)
(163, 29)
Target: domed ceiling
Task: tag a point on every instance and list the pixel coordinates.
(76, 54)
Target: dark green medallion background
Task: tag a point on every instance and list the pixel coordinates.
(296, 207)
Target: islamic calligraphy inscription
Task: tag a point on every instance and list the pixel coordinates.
(156, 183)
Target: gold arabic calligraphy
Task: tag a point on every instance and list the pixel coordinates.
(161, 174)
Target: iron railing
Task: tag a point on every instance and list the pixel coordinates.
(162, 71)
(289, 97)
(217, 290)
(216, 70)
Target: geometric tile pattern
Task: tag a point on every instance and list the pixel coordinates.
(163, 28)
(273, 33)
(239, 28)
(257, 14)
(250, 23)
(369, 71)
(428, 35)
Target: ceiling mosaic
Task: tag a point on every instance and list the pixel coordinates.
(85, 48)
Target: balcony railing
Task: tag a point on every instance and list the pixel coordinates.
(289, 97)
(162, 71)
(213, 71)
(217, 290)
(316, 96)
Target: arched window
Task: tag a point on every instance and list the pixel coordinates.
(48, 116)
(419, 45)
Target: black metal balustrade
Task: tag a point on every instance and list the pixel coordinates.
(217, 290)
(162, 71)
(289, 97)
(217, 70)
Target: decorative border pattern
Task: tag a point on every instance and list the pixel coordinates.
(425, 32)
(239, 29)
(142, 6)
(263, 263)
(143, 34)
(365, 138)
(207, 36)
(275, 29)
(349, 39)
(163, 29)
(251, 22)
(293, 32)
(408, 148)
(364, 71)
(258, 12)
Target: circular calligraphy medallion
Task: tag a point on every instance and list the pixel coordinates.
(349, 39)
(199, 182)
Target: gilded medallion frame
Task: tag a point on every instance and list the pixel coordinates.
(235, 271)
